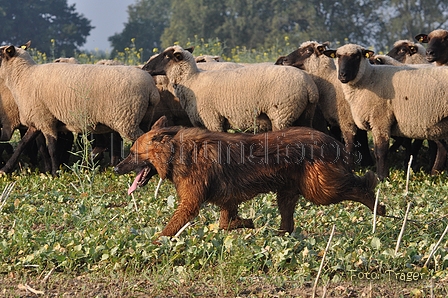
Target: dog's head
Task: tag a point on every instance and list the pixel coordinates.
(149, 155)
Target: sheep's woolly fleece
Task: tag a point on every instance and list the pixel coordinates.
(239, 95)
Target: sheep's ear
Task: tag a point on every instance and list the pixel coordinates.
(190, 49)
(413, 50)
(280, 60)
(178, 56)
(379, 61)
(320, 49)
(367, 53)
(26, 46)
(330, 53)
(10, 51)
(161, 123)
(423, 38)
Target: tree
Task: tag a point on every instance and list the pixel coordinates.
(146, 22)
(52, 26)
(407, 18)
(192, 18)
(256, 23)
(262, 23)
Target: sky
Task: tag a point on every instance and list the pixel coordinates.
(107, 16)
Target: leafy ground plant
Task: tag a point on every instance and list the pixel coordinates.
(56, 239)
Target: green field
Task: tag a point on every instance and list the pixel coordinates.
(80, 234)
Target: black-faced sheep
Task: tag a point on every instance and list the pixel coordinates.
(79, 97)
(233, 98)
(335, 109)
(408, 52)
(437, 49)
(393, 100)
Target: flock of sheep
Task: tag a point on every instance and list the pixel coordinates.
(403, 94)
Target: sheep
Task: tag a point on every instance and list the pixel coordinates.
(408, 52)
(335, 109)
(10, 121)
(71, 60)
(233, 98)
(102, 142)
(108, 62)
(169, 104)
(208, 58)
(218, 65)
(437, 49)
(76, 97)
(384, 60)
(393, 100)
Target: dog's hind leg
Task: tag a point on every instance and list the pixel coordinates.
(230, 220)
(287, 202)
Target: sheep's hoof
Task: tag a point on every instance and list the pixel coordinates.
(2, 173)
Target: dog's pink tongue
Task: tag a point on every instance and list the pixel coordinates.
(135, 183)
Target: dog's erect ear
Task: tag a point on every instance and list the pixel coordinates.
(161, 123)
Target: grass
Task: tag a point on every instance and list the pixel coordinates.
(81, 235)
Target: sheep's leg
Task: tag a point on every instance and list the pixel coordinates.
(286, 205)
(51, 144)
(432, 148)
(381, 143)
(229, 219)
(440, 160)
(27, 138)
(43, 150)
(116, 148)
(349, 140)
(362, 139)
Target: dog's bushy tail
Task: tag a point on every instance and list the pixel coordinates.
(331, 183)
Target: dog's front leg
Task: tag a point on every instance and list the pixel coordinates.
(187, 210)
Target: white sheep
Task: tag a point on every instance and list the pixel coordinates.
(71, 60)
(9, 113)
(384, 60)
(208, 59)
(233, 98)
(77, 97)
(437, 49)
(406, 52)
(335, 109)
(393, 100)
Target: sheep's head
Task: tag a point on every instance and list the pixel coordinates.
(8, 52)
(405, 48)
(350, 57)
(437, 50)
(157, 64)
(306, 51)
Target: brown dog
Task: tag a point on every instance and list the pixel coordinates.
(227, 169)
